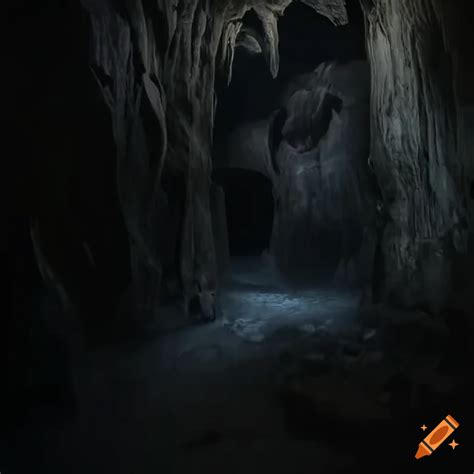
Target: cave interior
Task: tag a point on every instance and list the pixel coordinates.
(240, 236)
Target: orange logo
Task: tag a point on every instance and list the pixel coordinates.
(437, 437)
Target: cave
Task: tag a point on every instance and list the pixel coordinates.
(268, 129)
(239, 236)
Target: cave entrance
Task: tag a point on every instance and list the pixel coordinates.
(278, 126)
(249, 210)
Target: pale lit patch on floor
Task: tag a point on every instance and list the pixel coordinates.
(256, 305)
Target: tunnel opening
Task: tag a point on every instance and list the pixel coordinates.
(290, 154)
(296, 129)
(249, 210)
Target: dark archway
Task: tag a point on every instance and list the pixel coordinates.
(249, 209)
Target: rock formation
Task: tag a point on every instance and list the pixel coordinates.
(156, 65)
(138, 175)
(421, 145)
(314, 149)
(113, 216)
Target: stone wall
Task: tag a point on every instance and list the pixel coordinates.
(421, 150)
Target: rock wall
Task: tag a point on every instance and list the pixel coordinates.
(421, 149)
(156, 64)
(324, 197)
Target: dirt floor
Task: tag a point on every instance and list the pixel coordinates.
(290, 381)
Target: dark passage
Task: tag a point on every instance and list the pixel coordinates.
(307, 130)
(249, 208)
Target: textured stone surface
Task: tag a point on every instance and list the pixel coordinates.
(94, 216)
(314, 148)
(156, 64)
(322, 183)
(420, 146)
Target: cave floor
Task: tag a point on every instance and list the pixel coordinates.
(281, 383)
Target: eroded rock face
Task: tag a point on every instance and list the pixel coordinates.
(324, 202)
(156, 63)
(314, 148)
(421, 114)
